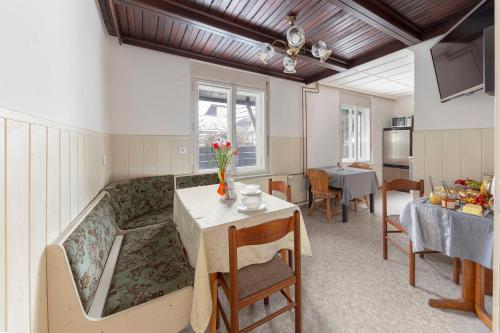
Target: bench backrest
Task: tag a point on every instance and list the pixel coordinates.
(88, 247)
(196, 180)
(134, 197)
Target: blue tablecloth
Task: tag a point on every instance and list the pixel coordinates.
(453, 233)
(354, 182)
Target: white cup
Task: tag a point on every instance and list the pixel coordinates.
(252, 202)
(251, 188)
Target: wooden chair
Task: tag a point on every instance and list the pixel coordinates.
(321, 191)
(364, 166)
(282, 187)
(393, 220)
(252, 283)
(286, 190)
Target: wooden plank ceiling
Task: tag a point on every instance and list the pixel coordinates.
(229, 32)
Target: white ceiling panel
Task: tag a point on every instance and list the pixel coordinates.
(391, 76)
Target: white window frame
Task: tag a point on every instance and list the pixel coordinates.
(262, 137)
(370, 137)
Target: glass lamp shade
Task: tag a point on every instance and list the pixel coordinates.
(295, 36)
(289, 65)
(320, 50)
(265, 53)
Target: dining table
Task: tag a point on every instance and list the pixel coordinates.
(354, 183)
(458, 235)
(202, 218)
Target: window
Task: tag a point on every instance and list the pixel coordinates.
(233, 114)
(355, 136)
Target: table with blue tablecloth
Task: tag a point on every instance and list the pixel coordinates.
(354, 182)
(458, 235)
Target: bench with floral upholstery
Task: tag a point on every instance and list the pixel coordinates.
(196, 180)
(143, 201)
(104, 279)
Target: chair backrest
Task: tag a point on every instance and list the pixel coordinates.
(359, 165)
(87, 248)
(263, 234)
(399, 185)
(280, 186)
(318, 179)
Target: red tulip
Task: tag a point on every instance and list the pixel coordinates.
(216, 145)
(228, 144)
(235, 152)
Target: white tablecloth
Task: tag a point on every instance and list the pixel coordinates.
(203, 218)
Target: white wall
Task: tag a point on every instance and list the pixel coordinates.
(150, 94)
(53, 82)
(53, 61)
(285, 108)
(475, 111)
(323, 131)
(404, 106)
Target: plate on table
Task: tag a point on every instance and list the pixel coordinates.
(245, 192)
(244, 209)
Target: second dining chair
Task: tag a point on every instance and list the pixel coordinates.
(365, 166)
(393, 220)
(253, 283)
(282, 187)
(322, 192)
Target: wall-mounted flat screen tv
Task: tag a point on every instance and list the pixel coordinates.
(459, 56)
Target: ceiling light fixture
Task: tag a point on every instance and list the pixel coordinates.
(296, 39)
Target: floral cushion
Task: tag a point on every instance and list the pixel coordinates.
(196, 180)
(87, 249)
(151, 264)
(135, 197)
(164, 215)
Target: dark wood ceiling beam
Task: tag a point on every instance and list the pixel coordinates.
(383, 18)
(224, 26)
(211, 59)
(319, 76)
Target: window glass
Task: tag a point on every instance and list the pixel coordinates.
(242, 122)
(356, 134)
(213, 103)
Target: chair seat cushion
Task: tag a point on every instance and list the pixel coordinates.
(254, 278)
(151, 264)
(164, 215)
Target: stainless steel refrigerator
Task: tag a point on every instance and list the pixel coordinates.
(397, 150)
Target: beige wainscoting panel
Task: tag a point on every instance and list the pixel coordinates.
(65, 192)
(53, 185)
(434, 156)
(150, 156)
(488, 150)
(18, 226)
(138, 156)
(81, 171)
(41, 180)
(285, 155)
(3, 234)
(452, 154)
(38, 227)
(73, 174)
(471, 148)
